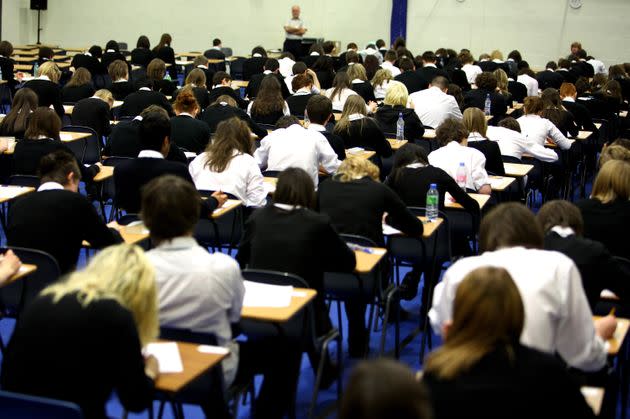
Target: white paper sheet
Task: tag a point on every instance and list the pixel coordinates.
(265, 295)
(496, 182)
(65, 137)
(167, 354)
(209, 349)
(390, 231)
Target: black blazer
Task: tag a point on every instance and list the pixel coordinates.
(69, 219)
(517, 90)
(141, 56)
(365, 90)
(492, 153)
(608, 224)
(325, 78)
(253, 65)
(387, 117)
(429, 73)
(120, 90)
(215, 93)
(254, 85)
(74, 94)
(581, 114)
(311, 247)
(336, 142)
(93, 113)
(48, 93)
(6, 65)
(110, 57)
(209, 76)
(297, 104)
(366, 133)
(548, 78)
(583, 69)
(92, 64)
(563, 120)
(190, 133)
(412, 80)
(215, 54)
(200, 93)
(167, 55)
(138, 101)
(489, 66)
(570, 76)
(218, 113)
(476, 98)
(268, 119)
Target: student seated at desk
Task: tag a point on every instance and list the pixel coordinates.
(510, 238)
(57, 218)
(583, 117)
(486, 88)
(90, 61)
(394, 105)
(435, 104)
(563, 226)
(79, 87)
(340, 91)
(6, 64)
(201, 63)
(291, 145)
(319, 111)
(187, 131)
(325, 70)
(301, 68)
(93, 326)
(112, 53)
(228, 165)
(94, 112)
(225, 107)
(136, 102)
(215, 52)
(452, 137)
(272, 67)
(302, 86)
(475, 122)
(482, 370)
(165, 53)
(359, 82)
(554, 111)
(16, 121)
(46, 86)
(196, 80)
(356, 203)
(409, 77)
(538, 129)
(381, 82)
(469, 67)
(512, 143)
(130, 176)
(221, 86)
(121, 87)
(255, 64)
(203, 293)
(142, 55)
(269, 104)
(156, 73)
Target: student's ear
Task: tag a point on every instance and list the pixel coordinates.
(328, 119)
(166, 146)
(446, 327)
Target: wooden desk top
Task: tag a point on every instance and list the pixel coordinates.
(396, 144)
(189, 54)
(195, 363)
(61, 57)
(517, 169)
(29, 59)
(22, 67)
(481, 199)
(240, 83)
(183, 62)
(26, 52)
(68, 109)
(619, 336)
(363, 154)
(270, 184)
(68, 137)
(367, 261)
(429, 134)
(215, 61)
(429, 227)
(25, 269)
(25, 47)
(299, 298)
(106, 172)
(583, 135)
(594, 397)
(229, 205)
(500, 183)
(130, 234)
(8, 193)
(63, 65)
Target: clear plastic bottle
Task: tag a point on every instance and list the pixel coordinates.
(460, 176)
(400, 127)
(432, 202)
(167, 76)
(1, 78)
(35, 68)
(487, 105)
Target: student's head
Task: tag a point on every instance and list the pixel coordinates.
(272, 65)
(269, 98)
(122, 273)
(353, 168)
(623, 142)
(383, 388)
(396, 95)
(381, 76)
(352, 57)
(165, 41)
(612, 182)
(456, 91)
(317, 48)
(286, 121)
(186, 102)
(323, 64)
(153, 109)
(216, 42)
(614, 152)
(221, 77)
(612, 89)
(509, 225)
(259, 52)
(582, 86)
(475, 121)
(551, 65)
(143, 42)
(399, 42)
(568, 90)
(319, 109)
(599, 80)
(24, 102)
(428, 57)
(328, 47)
(510, 123)
(298, 68)
(616, 71)
(408, 154)
(488, 314)
(154, 131)
(341, 81)
(564, 63)
(81, 77)
(295, 187)
(96, 51)
(354, 104)
(496, 55)
(575, 47)
(551, 98)
(227, 99)
(286, 54)
(390, 56)
(60, 166)
(50, 70)
(43, 122)
(440, 82)
(465, 57)
(451, 130)
(502, 80)
(515, 55)
(196, 78)
(406, 64)
(357, 71)
(6, 49)
(106, 96)
(118, 70)
(301, 81)
(200, 60)
(232, 135)
(486, 81)
(380, 44)
(560, 213)
(581, 54)
(484, 57)
(112, 45)
(533, 105)
(156, 70)
(170, 208)
(46, 52)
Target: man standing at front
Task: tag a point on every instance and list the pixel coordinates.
(295, 30)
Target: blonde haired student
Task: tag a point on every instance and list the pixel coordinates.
(395, 105)
(46, 86)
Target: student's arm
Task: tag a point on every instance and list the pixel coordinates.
(245, 245)
(256, 194)
(614, 274)
(106, 127)
(538, 151)
(95, 230)
(262, 153)
(572, 128)
(372, 130)
(326, 156)
(454, 111)
(479, 174)
(495, 154)
(167, 106)
(413, 127)
(563, 142)
(337, 257)
(58, 103)
(399, 216)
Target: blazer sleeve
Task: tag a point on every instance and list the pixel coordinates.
(399, 216)
(244, 247)
(379, 142)
(96, 232)
(414, 130)
(337, 257)
(58, 103)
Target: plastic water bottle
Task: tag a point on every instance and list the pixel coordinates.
(487, 105)
(307, 121)
(432, 202)
(35, 68)
(167, 77)
(400, 127)
(460, 176)
(1, 78)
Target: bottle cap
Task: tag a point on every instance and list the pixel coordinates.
(433, 185)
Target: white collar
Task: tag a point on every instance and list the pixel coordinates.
(302, 91)
(256, 55)
(286, 207)
(146, 89)
(137, 118)
(50, 186)
(151, 154)
(110, 50)
(185, 114)
(87, 53)
(563, 232)
(217, 86)
(496, 60)
(121, 81)
(355, 117)
(475, 136)
(223, 103)
(417, 165)
(550, 69)
(316, 127)
(204, 67)
(42, 77)
(569, 99)
(357, 81)
(314, 53)
(217, 48)
(430, 65)
(267, 72)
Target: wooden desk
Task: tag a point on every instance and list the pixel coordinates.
(429, 228)
(367, 261)
(24, 59)
(362, 154)
(63, 65)
(583, 135)
(481, 199)
(22, 67)
(517, 169)
(61, 57)
(396, 144)
(240, 83)
(7, 193)
(229, 205)
(429, 134)
(501, 183)
(32, 52)
(270, 184)
(117, 103)
(25, 269)
(130, 234)
(106, 172)
(189, 54)
(594, 397)
(183, 62)
(215, 61)
(299, 298)
(195, 363)
(68, 137)
(68, 109)
(620, 335)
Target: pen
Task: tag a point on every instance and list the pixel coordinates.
(360, 248)
(612, 311)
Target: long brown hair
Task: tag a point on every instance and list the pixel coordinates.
(165, 41)
(340, 82)
(487, 313)
(156, 70)
(24, 102)
(354, 104)
(43, 121)
(269, 98)
(612, 182)
(81, 77)
(232, 135)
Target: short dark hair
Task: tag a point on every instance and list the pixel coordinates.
(259, 50)
(43, 121)
(55, 166)
(352, 57)
(318, 108)
(440, 81)
(450, 130)
(154, 128)
(286, 121)
(429, 56)
(560, 213)
(581, 54)
(112, 45)
(143, 42)
(552, 65)
(564, 63)
(6, 48)
(486, 81)
(46, 52)
(328, 47)
(352, 45)
(515, 55)
(96, 51)
(299, 68)
(510, 123)
(219, 76)
(390, 55)
(405, 64)
(509, 225)
(380, 43)
(216, 42)
(170, 207)
(272, 64)
(295, 187)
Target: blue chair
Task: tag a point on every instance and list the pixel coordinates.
(87, 150)
(223, 232)
(22, 406)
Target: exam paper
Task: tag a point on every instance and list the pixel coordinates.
(265, 295)
(167, 354)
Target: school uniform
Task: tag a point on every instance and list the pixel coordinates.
(570, 75)
(472, 71)
(325, 78)
(189, 133)
(121, 89)
(430, 71)
(92, 64)
(201, 95)
(583, 117)
(340, 98)
(538, 129)
(366, 133)
(549, 78)
(363, 89)
(335, 141)
(215, 53)
(387, 117)
(141, 56)
(214, 114)
(387, 65)
(48, 93)
(433, 106)
(167, 55)
(451, 155)
(517, 90)
(73, 94)
(476, 98)
(219, 90)
(297, 102)
(268, 118)
(94, 113)
(530, 83)
(583, 69)
(607, 223)
(110, 56)
(563, 120)
(254, 84)
(412, 80)
(166, 87)
(6, 66)
(488, 65)
(209, 76)
(514, 144)
(138, 101)
(68, 219)
(252, 66)
(490, 150)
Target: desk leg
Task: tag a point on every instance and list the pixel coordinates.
(426, 329)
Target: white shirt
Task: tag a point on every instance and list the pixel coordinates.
(151, 154)
(536, 129)
(199, 291)
(340, 98)
(598, 66)
(371, 51)
(381, 90)
(451, 155)
(50, 186)
(391, 67)
(241, 178)
(297, 147)
(529, 82)
(472, 71)
(433, 106)
(286, 66)
(296, 24)
(557, 314)
(515, 144)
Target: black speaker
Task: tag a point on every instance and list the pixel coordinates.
(39, 4)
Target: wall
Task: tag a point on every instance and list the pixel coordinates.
(540, 29)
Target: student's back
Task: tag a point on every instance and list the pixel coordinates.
(189, 133)
(72, 94)
(94, 113)
(218, 112)
(138, 101)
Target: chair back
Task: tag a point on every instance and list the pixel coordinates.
(87, 150)
(24, 180)
(23, 406)
(226, 51)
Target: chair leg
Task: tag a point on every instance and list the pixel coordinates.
(161, 409)
(320, 370)
(339, 319)
(369, 328)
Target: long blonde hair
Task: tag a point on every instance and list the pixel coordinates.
(475, 121)
(122, 273)
(502, 81)
(612, 182)
(381, 77)
(357, 71)
(354, 104)
(397, 94)
(487, 313)
(50, 70)
(353, 168)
